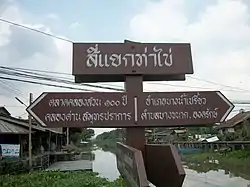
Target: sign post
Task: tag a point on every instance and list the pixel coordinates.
(135, 137)
(133, 63)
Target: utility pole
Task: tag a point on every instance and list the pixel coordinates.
(30, 138)
(30, 128)
(67, 142)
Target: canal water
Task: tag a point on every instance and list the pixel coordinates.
(198, 176)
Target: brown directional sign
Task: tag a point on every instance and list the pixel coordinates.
(109, 62)
(182, 108)
(116, 109)
(164, 167)
(131, 166)
(83, 109)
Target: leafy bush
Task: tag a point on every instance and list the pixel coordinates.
(13, 166)
(57, 179)
(240, 154)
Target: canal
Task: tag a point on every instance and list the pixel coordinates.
(196, 175)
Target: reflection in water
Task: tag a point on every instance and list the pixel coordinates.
(197, 175)
(212, 179)
(105, 164)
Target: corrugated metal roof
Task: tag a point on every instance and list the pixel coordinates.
(36, 124)
(20, 123)
(10, 128)
(55, 130)
(235, 120)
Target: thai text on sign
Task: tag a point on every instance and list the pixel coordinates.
(160, 58)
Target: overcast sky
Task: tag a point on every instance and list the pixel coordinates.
(218, 30)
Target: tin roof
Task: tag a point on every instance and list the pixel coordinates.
(9, 128)
(235, 120)
(20, 123)
(24, 123)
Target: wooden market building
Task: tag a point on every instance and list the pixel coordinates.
(15, 131)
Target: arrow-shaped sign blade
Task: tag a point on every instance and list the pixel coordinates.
(83, 109)
(106, 109)
(228, 103)
(34, 104)
(182, 108)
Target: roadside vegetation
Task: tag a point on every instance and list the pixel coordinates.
(58, 179)
(107, 140)
(240, 157)
(237, 163)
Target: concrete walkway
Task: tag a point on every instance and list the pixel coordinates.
(78, 165)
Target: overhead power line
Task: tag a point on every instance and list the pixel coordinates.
(45, 84)
(60, 38)
(186, 86)
(33, 71)
(35, 30)
(67, 40)
(54, 79)
(11, 89)
(67, 87)
(211, 82)
(36, 70)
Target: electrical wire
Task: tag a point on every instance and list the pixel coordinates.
(69, 81)
(35, 30)
(63, 39)
(211, 82)
(11, 90)
(35, 70)
(47, 78)
(8, 88)
(46, 84)
(241, 102)
(185, 86)
(67, 87)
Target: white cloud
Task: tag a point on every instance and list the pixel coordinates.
(28, 49)
(53, 17)
(219, 38)
(74, 25)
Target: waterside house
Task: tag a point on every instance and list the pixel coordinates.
(239, 123)
(14, 133)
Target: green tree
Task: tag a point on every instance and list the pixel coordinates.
(84, 134)
(87, 134)
(107, 140)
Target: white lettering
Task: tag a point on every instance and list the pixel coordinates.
(88, 102)
(183, 99)
(88, 117)
(160, 58)
(207, 114)
(171, 115)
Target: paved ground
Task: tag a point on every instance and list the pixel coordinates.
(77, 165)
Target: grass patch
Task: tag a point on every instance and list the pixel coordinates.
(58, 179)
